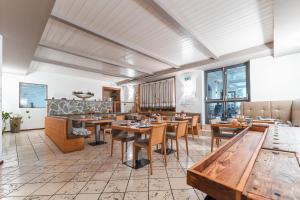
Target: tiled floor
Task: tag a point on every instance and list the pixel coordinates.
(34, 168)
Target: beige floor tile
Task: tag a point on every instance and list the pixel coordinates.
(13, 198)
(159, 184)
(25, 178)
(26, 189)
(94, 187)
(62, 197)
(136, 196)
(179, 183)
(83, 176)
(137, 185)
(44, 178)
(185, 194)
(6, 189)
(87, 197)
(121, 174)
(63, 177)
(176, 173)
(37, 198)
(71, 188)
(102, 176)
(111, 196)
(49, 189)
(116, 186)
(160, 195)
(158, 173)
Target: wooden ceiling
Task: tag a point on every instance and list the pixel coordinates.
(134, 39)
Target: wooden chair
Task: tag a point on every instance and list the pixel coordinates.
(121, 136)
(193, 125)
(157, 136)
(219, 133)
(179, 132)
(107, 128)
(120, 117)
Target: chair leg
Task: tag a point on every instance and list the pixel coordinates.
(171, 143)
(126, 145)
(192, 130)
(122, 150)
(187, 146)
(111, 147)
(212, 144)
(165, 152)
(150, 158)
(133, 156)
(177, 148)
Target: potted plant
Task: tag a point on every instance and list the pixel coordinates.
(15, 120)
(5, 116)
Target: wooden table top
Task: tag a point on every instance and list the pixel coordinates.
(92, 120)
(249, 167)
(230, 125)
(117, 125)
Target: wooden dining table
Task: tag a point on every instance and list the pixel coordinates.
(97, 123)
(137, 131)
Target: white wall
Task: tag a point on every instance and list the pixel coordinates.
(59, 86)
(275, 78)
(1, 96)
(190, 93)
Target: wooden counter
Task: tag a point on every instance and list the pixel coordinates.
(248, 166)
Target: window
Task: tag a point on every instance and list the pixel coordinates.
(32, 95)
(226, 88)
(159, 95)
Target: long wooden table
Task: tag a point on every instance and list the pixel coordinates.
(258, 163)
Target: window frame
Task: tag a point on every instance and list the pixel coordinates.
(224, 99)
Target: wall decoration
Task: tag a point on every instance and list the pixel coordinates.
(32, 95)
(66, 107)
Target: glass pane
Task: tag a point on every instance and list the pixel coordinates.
(233, 109)
(215, 110)
(215, 85)
(236, 83)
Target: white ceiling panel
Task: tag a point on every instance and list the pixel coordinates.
(132, 23)
(226, 25)
(56, 69)
(68, 38)
(53, 55)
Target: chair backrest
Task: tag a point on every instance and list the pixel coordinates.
(181, 128)
(215, 130)
(195, 120)
(120, 117)
(158, 134)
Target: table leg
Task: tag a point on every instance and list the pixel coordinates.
(139, 163)
(97, 136)
(168, 150)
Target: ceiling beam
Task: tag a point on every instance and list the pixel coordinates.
(172, 65)
(225, 60)
(90, 58)
(78, 67)
(172, 18)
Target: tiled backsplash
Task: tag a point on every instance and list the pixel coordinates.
(65, 107)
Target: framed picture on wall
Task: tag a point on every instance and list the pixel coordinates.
(32, 95)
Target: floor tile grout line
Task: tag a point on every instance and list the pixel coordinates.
(33, 147)
(47, 144)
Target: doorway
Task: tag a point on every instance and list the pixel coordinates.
(112, 94)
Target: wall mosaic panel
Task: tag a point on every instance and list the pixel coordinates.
(66, 107)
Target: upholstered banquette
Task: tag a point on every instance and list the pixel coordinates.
(296, 113)
(282, 110)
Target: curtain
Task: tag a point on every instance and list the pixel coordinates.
(159, 94)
